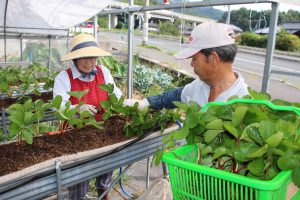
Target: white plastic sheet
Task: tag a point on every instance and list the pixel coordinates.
(52, 17)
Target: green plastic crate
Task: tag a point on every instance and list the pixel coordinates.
(193, 181)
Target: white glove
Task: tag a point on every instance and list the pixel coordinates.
(141, 103)
(90, 108)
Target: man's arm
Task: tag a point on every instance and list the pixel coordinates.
(165, 99)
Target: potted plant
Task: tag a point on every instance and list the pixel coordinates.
(257, 141)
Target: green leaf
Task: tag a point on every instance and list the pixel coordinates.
(210, 135)
(290, 144)
(17, 117)
(74, 121)
(171, 144)
(84, 114)
(245, 148)
(225, 112)
(17, 107)
(27, 105)
(61, 116)
(168, 138)
(254, 135)
(27, 134)
(28, 118)
(216, 124)
(112, 98)
(231, 129)
(191, 119)
(206, 150)
(78, 94)
(57, 102)
(256, 167)
(70, 113)
(275, 139)
(14, 128)
(181, 105)
(238, 115)
(287, 163)
(259, 95)
(266, 129)
(181, 133)
(208, 161)
(296, 176)
(108, 88)
(39, 103)
(157, 156)
(221, 151)
(258, 153)
(105, 104)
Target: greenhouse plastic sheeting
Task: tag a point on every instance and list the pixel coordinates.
(52, 17)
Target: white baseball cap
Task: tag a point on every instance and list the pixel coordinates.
(207, 35)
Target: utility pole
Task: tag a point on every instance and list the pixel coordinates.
(145, 25)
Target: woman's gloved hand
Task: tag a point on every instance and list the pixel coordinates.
(90, 108)
(141, 103)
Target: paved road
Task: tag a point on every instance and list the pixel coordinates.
(250, 65)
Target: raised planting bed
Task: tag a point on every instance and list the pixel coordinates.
(41, 180)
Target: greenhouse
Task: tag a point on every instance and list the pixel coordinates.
(127, 112)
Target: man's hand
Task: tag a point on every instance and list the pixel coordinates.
(142, 103)
(90, 108)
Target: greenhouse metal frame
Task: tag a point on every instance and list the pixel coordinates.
(52, 183)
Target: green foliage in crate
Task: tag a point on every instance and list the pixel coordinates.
(250, 139)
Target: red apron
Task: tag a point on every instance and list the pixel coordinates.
(94, 96)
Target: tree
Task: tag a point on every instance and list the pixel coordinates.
(241, 18)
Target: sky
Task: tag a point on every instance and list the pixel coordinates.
(260, 6)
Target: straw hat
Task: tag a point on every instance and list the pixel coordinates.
(84, 45)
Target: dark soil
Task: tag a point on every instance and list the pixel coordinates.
(45, 96)
(17, 156)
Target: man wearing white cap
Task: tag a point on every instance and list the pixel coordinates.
(212, 50)
(86, 74)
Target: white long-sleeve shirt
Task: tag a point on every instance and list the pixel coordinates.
(198, 91)
(62, 83)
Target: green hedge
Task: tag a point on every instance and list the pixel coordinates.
(284, 41)
(287, 42)
(254, 40)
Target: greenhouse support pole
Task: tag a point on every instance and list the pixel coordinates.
(148, 172)
(58, 178)
(49, 52)
(4, 29)
(228, 15)
(68, 39)
(130, 51)
(95, 33)
(270, 47)
(21, 47)
(109, 19)
(145, 25)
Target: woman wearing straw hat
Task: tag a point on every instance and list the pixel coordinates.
(86, 74)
